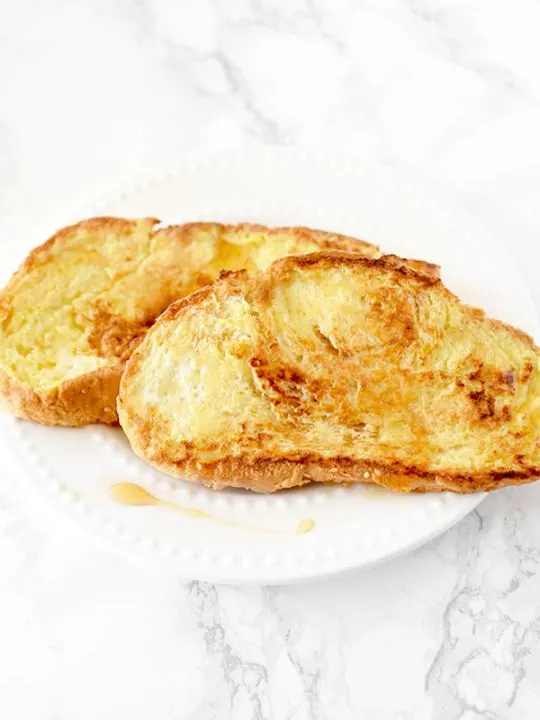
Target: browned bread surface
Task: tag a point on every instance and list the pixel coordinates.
(81, 302)
(333, 367)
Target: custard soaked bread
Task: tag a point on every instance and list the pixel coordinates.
(329, 368)
(73, 313)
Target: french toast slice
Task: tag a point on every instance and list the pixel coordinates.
(329, 368)
(81, 302)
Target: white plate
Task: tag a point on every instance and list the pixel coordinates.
(355, 526)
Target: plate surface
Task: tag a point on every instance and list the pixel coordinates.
(354, 526)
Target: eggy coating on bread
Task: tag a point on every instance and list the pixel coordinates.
(80, 303)
(332, 367)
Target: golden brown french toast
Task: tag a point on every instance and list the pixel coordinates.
(73, 313)
(330, 368)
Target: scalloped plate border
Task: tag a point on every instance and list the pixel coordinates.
(306, 560)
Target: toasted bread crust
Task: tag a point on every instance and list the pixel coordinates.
(91, 396)
(87, 399)
(268, 474)
(303, 235)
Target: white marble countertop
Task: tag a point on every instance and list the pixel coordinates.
(93, 93)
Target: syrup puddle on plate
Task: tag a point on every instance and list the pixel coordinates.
(128, 493)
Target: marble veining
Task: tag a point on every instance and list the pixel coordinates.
(97, 93)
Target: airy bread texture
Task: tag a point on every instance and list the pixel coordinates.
(331, 368)
(79, 305)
